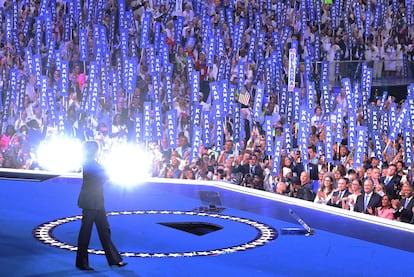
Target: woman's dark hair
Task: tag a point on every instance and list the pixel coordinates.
(90, 148)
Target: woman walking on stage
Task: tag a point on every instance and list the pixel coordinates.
(91, 201)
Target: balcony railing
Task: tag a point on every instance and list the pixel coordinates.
(385, 72)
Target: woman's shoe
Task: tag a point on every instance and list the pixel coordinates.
(120, 264)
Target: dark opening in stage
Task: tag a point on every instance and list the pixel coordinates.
(196, 228)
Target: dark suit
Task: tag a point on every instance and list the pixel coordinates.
(256, 170)
(405, 214)
(374, 201)
(91, 200)
(301, 79)
(243, 169)
(306, 192)
(346, 49)
(336, 193)
(312, 170)
(391, 185)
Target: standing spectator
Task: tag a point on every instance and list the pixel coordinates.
(381, 190)
(180, 61)
(226, 153)
(403, 209)
(300, 76)
(391, 181)
(21, 121)
(377, 54)
(35, 134)
(182, 106)
(316, 184)
(187, 173)
(28, 107)
(390, 56)
(317, 118)
(173, 169)
(400, 52)
(400, 169)
(77, 78)
(348, 203)
(282, 188)
(359, 50)
(346, 54)
(6, 137)
(375, 176)
(326, 190)
(119, 128)
(31, 92)
(313, 162)
(254, 167)
(368, 200)
(71, 118)
(183, 126)
(38, 116)
(339, 194)
(200, 66)
(305, 191)
(332, 49)
(385, 210)
(402, 33)
(188, 13)
(102, 137)
(183, 149)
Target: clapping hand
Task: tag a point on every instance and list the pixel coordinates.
(395, 203)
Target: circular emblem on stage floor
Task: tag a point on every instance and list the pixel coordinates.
(265, 234)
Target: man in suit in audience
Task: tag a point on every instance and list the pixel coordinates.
(341, 192)
(254, 167)
(305, 191)
(403, 209)
(376, 175)
(368, 200)
(391, 181)
(313, 162)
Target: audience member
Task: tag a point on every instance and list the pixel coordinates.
(403, 208)
(385, 210)
(348, 203)
(391, 181)
(340, 193)
(326, 190)
(368, 200)
(305, 191)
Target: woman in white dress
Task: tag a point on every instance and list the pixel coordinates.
(377, 53)
(390, 56)
(331, 48)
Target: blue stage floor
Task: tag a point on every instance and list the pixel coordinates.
(40, 222)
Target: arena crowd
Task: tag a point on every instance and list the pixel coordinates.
(237, 91)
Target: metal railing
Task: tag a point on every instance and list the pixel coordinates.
(385, 72)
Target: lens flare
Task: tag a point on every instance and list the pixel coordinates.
(60, 154)
(127, 164)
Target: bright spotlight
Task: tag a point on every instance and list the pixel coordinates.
(60, 154)
(127, 164)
